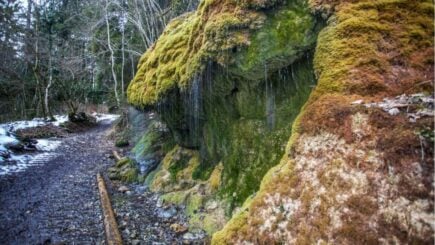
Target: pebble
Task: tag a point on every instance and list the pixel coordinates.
(393, 111)
(168, 213)
(177, 228)
(133, 234)
(191, 236)
(211, 205)
(123, 189)
(159, 203)
(135, 242)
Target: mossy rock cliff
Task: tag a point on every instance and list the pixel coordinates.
(354, 172)
(228, 80)
(242, 36)
(232, 81)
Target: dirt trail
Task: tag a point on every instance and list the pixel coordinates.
(57, 201)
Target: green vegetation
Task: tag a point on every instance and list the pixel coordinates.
(234, 52)
(216, 32)
(125, 170)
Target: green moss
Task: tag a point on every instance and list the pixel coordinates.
(220, 32)
(175, 171)
(215, 177)
(151, 176)
(243, 138)
(121, 143)
(145, 145)
(194, 203)
(238, 223)
(177, 197)
(178, 160)
(129, 175)
(125, 170)
(122, 162)
(285, 36)
(210, 223)
(350, 52)
(178, 166)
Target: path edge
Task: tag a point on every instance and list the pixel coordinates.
(113, 236)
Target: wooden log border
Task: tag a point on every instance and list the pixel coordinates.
(113, 237)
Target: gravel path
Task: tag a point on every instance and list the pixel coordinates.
(143, 220)
(57, 202)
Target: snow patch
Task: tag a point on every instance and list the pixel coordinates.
(47, 145)
(7, 140)
(107, 118)
(12, 162)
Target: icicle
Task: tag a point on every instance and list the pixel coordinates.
(193, 107)
(270, 101)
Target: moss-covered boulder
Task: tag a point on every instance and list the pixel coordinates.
(126, 170)
(176, 171)
(175, 181)
(153, 145)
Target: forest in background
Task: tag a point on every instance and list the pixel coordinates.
(64, 55)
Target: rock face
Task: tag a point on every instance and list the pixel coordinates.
(229, 79)
(240, 36)
(225, 81)
(353, 173)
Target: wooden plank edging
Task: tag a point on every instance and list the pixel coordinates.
(113, 237)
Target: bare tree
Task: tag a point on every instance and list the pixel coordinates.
(122, 47)
(112, 54)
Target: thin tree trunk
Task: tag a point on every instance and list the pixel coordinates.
(122, 49)
(132, 66)
(49, 84)
(36, 67)
(112, 58)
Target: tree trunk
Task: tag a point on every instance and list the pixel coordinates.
(112, 58)
(122, 48)
(49, 84)
(35, 69)
(132, 66)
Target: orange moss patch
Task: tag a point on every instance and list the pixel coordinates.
(329, 112)
(375, 47)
